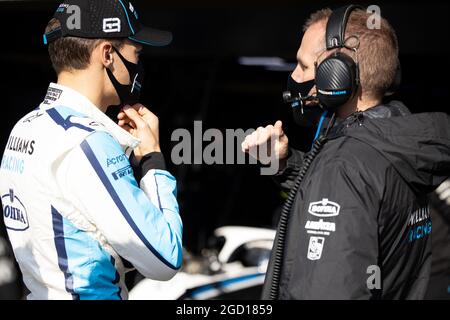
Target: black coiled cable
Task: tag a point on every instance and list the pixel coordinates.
(285, 213)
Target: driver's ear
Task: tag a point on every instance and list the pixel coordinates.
(106, 52)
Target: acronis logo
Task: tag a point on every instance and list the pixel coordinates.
(324, 208)
(14, 212)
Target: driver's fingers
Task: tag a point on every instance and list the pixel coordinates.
(135, 117)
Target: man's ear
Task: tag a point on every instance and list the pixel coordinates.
(106, 54)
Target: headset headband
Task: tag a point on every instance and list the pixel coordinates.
(337, 23)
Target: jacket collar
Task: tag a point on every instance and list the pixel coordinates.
(382, 111)
(61, 95)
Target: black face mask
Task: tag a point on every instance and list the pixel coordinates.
(128, 93)
(301, 89)
(304, 116)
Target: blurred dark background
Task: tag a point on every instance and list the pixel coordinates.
(200, 77)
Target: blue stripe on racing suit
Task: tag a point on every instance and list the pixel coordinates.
(159, 229)
(58, 230)
(61, 115)
(90, 269)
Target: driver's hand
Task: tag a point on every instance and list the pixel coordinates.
(143, 125)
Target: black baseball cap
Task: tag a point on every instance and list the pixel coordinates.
(103, 19)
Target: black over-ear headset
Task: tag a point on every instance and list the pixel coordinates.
(337, 76)
(337, 81)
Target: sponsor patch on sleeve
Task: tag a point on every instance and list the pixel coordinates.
(324, 208)
(14, 212)
(315, 248)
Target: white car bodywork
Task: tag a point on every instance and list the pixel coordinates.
(224, 276)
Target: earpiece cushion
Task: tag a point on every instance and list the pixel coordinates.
(336, 80)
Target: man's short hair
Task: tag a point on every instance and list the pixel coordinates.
(71, 53)
(377, 53)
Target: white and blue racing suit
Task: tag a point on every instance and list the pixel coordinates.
(76, 216)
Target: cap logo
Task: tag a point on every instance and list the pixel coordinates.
(111, 25)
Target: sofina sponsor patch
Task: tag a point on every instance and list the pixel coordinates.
(324, 208)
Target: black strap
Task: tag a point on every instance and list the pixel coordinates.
(53, 35)
(335, 34)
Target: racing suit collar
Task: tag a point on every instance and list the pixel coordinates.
(61, 95)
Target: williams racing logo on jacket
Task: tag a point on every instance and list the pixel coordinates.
(324, 208)
(420, 224)
(14, 212)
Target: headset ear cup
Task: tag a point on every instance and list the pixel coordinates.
(336, 80)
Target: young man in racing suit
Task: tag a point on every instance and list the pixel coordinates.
(84, 199)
